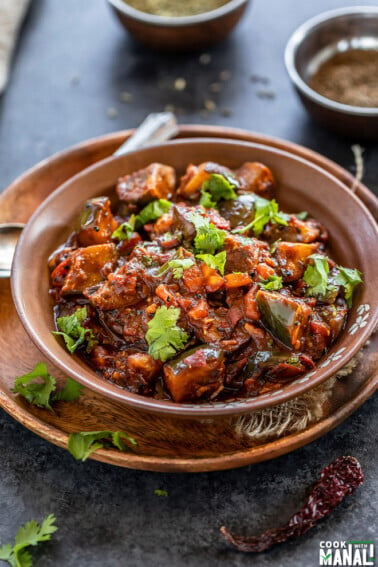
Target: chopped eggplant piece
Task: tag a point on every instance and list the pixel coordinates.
(87, 267)
(255, 177)
(291, 258)
(198, 373)
(157, 181)
(284, 317)
(243, 254)
(96, 222)
(296, 231)
(240, 211)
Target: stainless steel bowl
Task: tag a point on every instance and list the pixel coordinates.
(316, 41)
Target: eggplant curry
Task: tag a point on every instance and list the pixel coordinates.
(200, 289)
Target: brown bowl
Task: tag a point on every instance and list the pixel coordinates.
(317, 41)
(300, 186)
(185, 33)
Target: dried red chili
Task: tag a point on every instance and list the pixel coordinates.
(337, 480)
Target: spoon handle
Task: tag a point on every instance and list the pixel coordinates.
(155, 129)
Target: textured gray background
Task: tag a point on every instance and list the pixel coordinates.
(71, 64)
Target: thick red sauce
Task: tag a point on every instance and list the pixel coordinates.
(242, 326)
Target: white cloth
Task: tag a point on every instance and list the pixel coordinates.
(11, 16)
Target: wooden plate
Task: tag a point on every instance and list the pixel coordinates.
(163, 443)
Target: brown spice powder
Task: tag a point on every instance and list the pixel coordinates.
(350, 77)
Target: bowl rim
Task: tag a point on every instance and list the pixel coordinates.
(187, 410)
(176, 21)
(295, 42)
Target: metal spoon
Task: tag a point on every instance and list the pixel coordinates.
(155, 129)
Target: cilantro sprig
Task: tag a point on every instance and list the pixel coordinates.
(81, 445)
(208, 237)
(348, 278)
(39, 387)
(265, 212)
(316, 275)
(28, 535)
(319, 280)
(153, 211)
(72, 331)
(164, 337)
(216, 188)
(217, 261)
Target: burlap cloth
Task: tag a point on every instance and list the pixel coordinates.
(11, 15)
(296, 414)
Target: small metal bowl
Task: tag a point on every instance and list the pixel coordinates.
(186, 33)
(315, 42)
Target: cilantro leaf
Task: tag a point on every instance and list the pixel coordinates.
(209, 238)
(24, 559)
(6, 552)
(216, 262)
(30, 534)
(81, 445)
(42, 394)
(265, 212)
(74, 334)
(125, 230)
(71, 391)
(216, 188)
(349, 279)
(316, 275)
(273, 283)
(37, 393)
(178, 266)
(207, 200)
(117, 437)
(164, 337)
(153, 211)
(302, 215)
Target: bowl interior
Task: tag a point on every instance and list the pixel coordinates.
(300, 186)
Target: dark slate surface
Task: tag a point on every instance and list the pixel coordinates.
(72, 62)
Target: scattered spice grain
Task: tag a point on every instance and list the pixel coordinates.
(205, 58)
(112, 112)
(125, 96)
(209, 105)
(215, 87)
(225, 75)
(179, 84)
